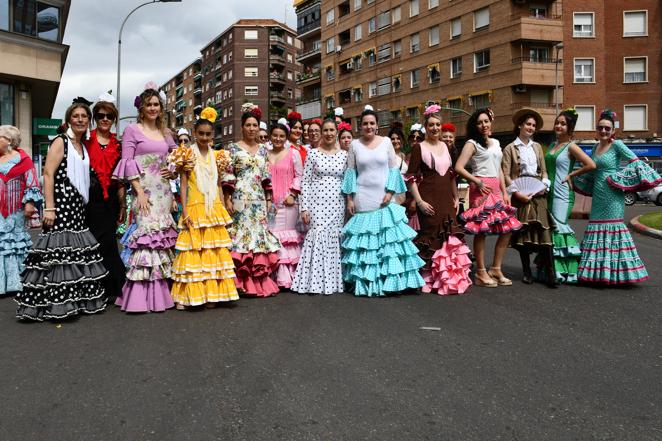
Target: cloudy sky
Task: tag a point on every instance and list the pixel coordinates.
(158, 41)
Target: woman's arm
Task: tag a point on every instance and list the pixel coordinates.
(588, 164)
(183, 192)
(506, 163)
(54, 157)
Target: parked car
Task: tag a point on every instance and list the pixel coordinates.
(653, 195)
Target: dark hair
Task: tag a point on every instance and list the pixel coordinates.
(202, 122)
(607, 115)
(144, 97)
(397, 131)
(570, 120)
(472, 126)
(367, 112)
(343, 130)
(246, 115)
(110, 107)
(282, 127)
(292, 121)
(522, 119)
(330, 120)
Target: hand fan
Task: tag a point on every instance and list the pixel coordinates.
(528, 185)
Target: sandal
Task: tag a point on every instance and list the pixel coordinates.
(487, 283)
(501, 280)
(210, 305)
(180, 306)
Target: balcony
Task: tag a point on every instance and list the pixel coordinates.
(529, 28)
(277, 96)
(312, 26)
(276, 39)
(306, 78)
(197, 91)
(197, 76)
(315, 50)
(310, 109)
(538, 74)
(277, 59)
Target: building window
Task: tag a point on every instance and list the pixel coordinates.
(413, 8)
(433, 73)
(635, 23)
(225, 130)
(290, 59)
(480, 101)
(456, 67)
(372, 58)
(584, 70)
(635, 70)
(372, 89)
(433, 4)
(397, 48)
(433, 34)
(358, 95)
(384, 20)
(230, 74)
(330, 45)
(357, 32)
(481, 61)
(371, 25)
(585, 118)
(582, 24)
(396, 16)
(4, 15)
(635, 117)
(230, 127)
(290, 40)
(538, 11)
(539, 55)
(456, 28)
(384, 86)
(36, 19)
(481, 19)
(415, 77)
(414, 43)
(384, 52)
(290, 94)
(397, 83)
(330, 73)
(250, 34)
(6, 104)
(250, 53)
(250, 90)
(290, 75)
(329, 16)
(357, 5)
(250, 71)
(455, 103)
(358, 63)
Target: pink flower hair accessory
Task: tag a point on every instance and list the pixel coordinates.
(432, 109)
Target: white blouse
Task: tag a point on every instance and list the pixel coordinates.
(486, 162)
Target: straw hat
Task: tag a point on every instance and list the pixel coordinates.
(520, 114)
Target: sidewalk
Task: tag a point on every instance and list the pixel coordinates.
(644, 229)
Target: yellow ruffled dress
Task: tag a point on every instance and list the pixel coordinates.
(203, 271)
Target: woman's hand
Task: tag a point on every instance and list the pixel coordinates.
(568, 182)
(186, 220)
(387, 199)
(506, 199)
(49, 218)
(305, 217)
(351, 209)
(143, 203)
(229, 206)
(29, 209)
(425, 208)
(289, 201)
(525, 199)
(484, 189)
(270, 206)
(456, 205)
(174, 207)
(167, 174)
(121, 217)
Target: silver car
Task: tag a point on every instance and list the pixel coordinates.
(653, 195)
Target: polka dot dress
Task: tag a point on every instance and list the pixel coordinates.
(63, 269)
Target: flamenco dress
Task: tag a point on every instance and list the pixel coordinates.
(18, 186)
(63, 269)
(488, 214)
(439, 240)
(560, 201)
(286, 179)
(320, 269)
(254, 248)
(609, 255)
(379, 257)
(152, 242)
(203, 271)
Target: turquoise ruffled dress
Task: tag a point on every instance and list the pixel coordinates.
(379, 257)
(609, 255)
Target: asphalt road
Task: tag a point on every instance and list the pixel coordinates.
(518, 363)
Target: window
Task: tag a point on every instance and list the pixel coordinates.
(330, 45)
(414, 43)
(384, 20)
(250, 90)
(290, 75)
(433, 4)
(635, 117)
(371, 25)
(6, 104)
(372, 89)
(456, 27)
(415, 77)
(225, 131)
(538, 11)
(456, 67)
(539, 55)
(358, 94)
(584, 70)
(225, 58)
(635, 23)
(250, 34)
(413, 8)
(250, 71)
(433, 73)
(396, 15)
(582, 24)
(230, 56)
(290, 59)
(585, 118)
(397, 48)
(384, 52)
(250, 53)
(357, 32)
(635, 70)
(372, 58)
(384, 86)
(36, 19)
(290, 40)
(230, 74)
(330, 73)
(357, 5)
(230, 126)
(397, 83)
(358, 62)
(433, 36)
(455, 103)
(481, 61)
(329, 16)
(481, 19)
(4, 15)
(480, 101)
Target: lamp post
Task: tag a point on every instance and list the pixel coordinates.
(119, 47)
(558, 48)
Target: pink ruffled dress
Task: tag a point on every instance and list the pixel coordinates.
(285, 180)
(152, 242)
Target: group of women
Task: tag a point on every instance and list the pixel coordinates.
(332, 215)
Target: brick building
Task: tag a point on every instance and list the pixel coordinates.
(612, 59)
(254, 60)
(399, 55)
(184, 96)
(308, 28)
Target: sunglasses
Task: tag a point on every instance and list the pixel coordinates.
(100, 115)
(415, 138)
(263, 137)
(604, 129)
(184, 140)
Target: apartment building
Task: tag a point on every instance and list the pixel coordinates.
(254, 60)
(612, 59)
(184, 96)
(33, 58)
(309, 80)
(399, 55)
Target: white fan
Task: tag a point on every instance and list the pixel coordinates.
(527, 185)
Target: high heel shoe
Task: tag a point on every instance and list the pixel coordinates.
(501, 280)
(487, 283)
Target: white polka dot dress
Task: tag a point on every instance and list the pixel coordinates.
(319, 270)
(63, 269)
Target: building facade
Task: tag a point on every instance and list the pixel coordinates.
(33, 59)
(254, 60)
(309, 80)
(184, 97)
(401, 55)
(612, 60)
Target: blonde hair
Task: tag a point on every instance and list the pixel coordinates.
(160, 120)
(12, 134)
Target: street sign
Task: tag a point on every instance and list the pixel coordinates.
(45, 126)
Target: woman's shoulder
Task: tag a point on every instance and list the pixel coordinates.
(493, 142)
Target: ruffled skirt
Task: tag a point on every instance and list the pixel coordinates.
(449, 269)
(14, 245)
(566, 253)
(488, 214)
(284, 227)
(536, 223)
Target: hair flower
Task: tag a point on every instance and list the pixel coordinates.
(209, 113)
(432, 109)
(344, 126)
(293, 115)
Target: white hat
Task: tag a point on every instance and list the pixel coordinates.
(417, 128)
(338, 111)
(263, 125)
(368, 107)
(106, 97)
(182, 131)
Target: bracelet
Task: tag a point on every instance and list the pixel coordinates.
(50, 209)
(480, 184)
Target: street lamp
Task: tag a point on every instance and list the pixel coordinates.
(119, 46)
(558, 48)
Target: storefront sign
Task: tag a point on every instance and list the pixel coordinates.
(45, 126)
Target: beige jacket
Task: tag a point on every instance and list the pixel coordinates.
(510, 162)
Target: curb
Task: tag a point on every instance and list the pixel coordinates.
(643, 229)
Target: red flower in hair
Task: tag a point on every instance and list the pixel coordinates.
(316, 121)
(448, 127)
(256, 112)
(294, 115)
(344, 126)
